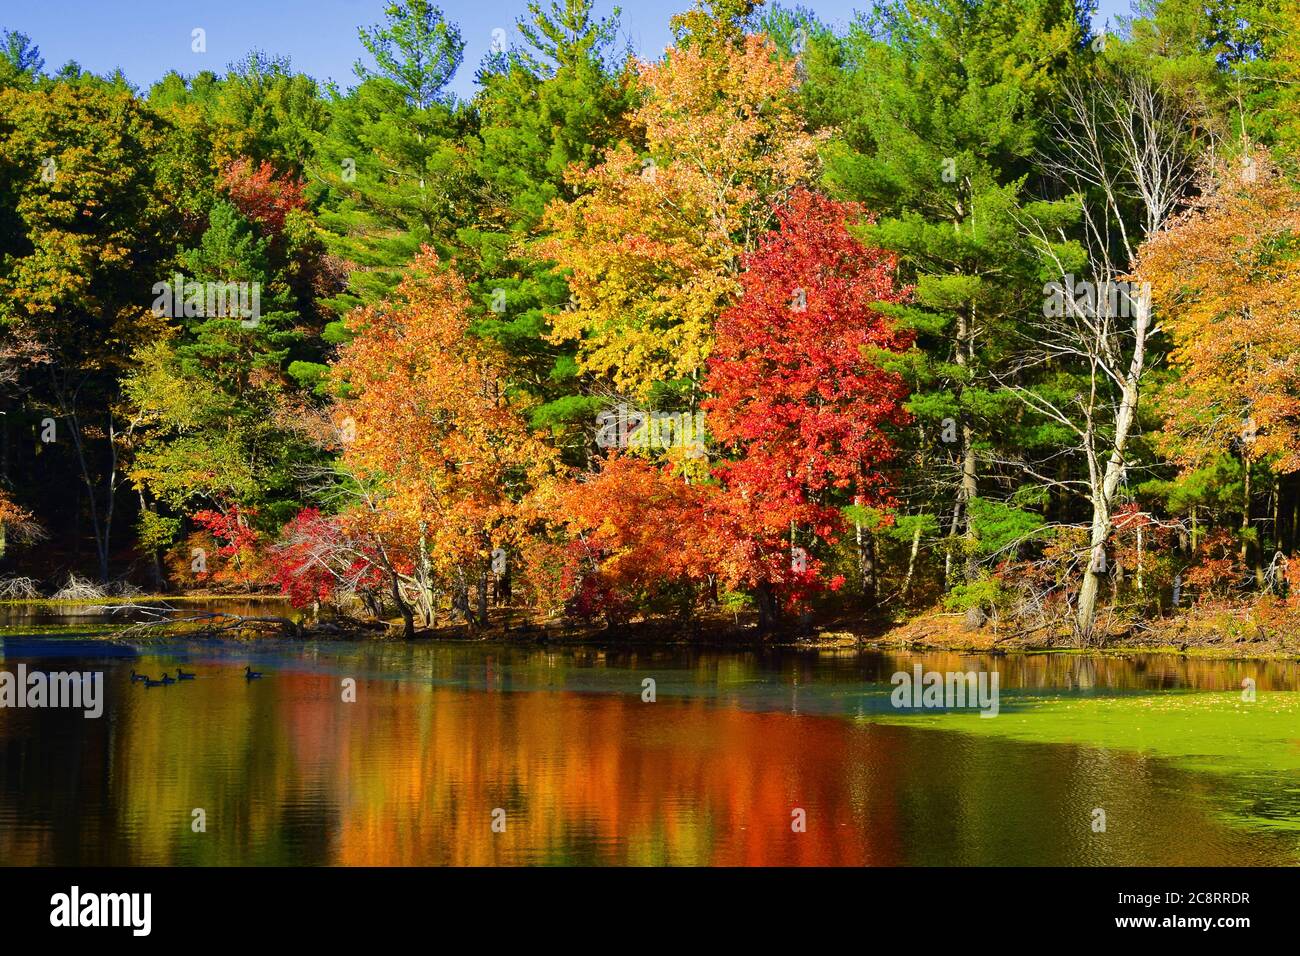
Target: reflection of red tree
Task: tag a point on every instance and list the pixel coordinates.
(607, 779)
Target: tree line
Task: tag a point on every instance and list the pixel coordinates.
(971, 305)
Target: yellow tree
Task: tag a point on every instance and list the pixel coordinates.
(439, 453)
(1226, 281)
(653, 241)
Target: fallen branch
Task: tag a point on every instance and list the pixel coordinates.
(162, 618)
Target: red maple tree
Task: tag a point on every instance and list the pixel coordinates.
(260, 194)
(800, 401)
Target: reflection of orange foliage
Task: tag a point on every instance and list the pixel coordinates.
(411, 773)
(677, 782)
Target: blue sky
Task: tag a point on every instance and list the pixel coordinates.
(147, 38)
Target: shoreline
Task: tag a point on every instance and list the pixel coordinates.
(1227, 634)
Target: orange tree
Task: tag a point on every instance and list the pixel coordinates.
(1226, 282)
(437, 453)
(630, 537)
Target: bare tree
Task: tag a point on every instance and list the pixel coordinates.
(349, 557)
(1124, 148)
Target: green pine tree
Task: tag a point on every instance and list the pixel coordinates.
(939, 108)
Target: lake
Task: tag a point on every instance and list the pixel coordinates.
(471, 754)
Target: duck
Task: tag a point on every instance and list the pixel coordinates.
(135, 676)
(150, 682)
(250, 674)
(183, 675)
(167, 679)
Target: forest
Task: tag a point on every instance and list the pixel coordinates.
(972, 309)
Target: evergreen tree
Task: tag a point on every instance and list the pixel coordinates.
(939, 106)
(20, 60)
(212, 396)
(392, 169)
(555, 102)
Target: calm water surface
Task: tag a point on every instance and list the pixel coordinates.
(440, 736)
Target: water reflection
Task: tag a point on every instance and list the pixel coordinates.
(21, 617)
(441, 736)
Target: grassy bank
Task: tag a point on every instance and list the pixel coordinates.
(1227, 632)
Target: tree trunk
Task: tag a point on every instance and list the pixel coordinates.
(1140, 561)
(767, 610)
(101, 526)
(1088, 589)
(952, 543)
(867, 566)
(483, 598)
(911, 563)
(460, 599)
(1245, 511)
(1295, 517)
(965, 353)
(408, 616)
(159, 585)
(1105, 485)
(967, 494)
(1275, 510)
